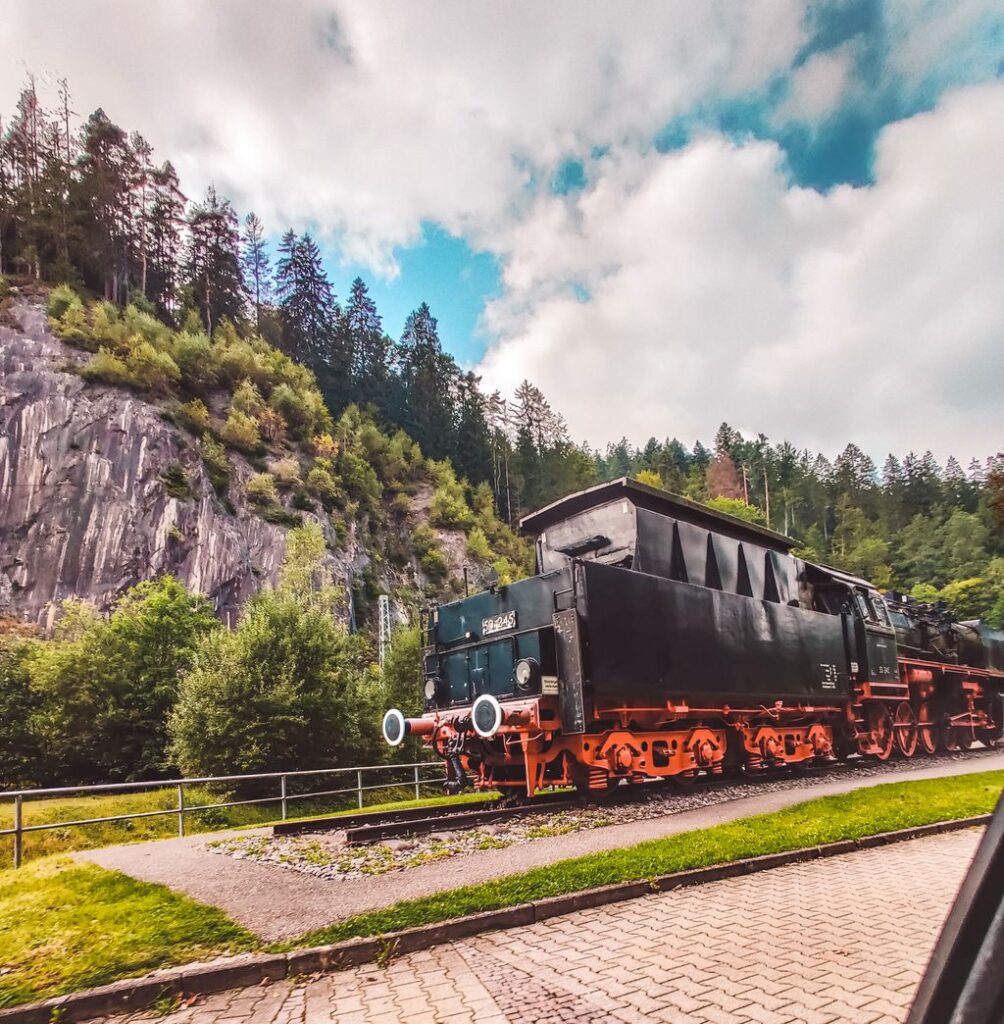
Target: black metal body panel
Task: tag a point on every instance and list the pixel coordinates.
(654, 638)
(571, 703)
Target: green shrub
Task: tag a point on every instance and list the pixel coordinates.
(193, 416)
(477, 545)
(214, 457)
(105, 685)
(151, 369)
(287, 472)
(322, 484)
(302, 502)
(194, 355)
(279, 516)
(241, 431)
(449, 507)
(261, 489)
(72, 326)
(176, 482)
(247, 398)
(288, 688)
(60, 299)
(107, 367)
(434, 564)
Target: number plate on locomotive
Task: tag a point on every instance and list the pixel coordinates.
(498, 623)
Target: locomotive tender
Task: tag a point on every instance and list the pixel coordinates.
(662, 638)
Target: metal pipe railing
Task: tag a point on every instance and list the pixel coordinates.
(181, 808)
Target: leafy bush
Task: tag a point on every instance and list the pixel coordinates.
(240, 431)
(449, 507)
(194, 355)
(477, 545)
(247, 398)
(214, 457)
(193, 416)
(104, 686)
(60, 299)
(435, 565)
(107, 367)
(649, 478)
(321, 483)
(287, 472)
(152, 370)
(261, 489)
(73, 327)
(277, 515)
(287, 689)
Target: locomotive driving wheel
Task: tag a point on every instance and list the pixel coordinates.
(927, 729)
(905, 729)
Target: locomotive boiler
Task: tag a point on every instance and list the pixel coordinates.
(661, 638)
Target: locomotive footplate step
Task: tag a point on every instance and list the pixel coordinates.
(449, 822)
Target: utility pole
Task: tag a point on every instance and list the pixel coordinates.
(383, 608)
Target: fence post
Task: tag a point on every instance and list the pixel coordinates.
(416, 783)
(359, 787)
(181, 811)
(282, 787)
(18, 834)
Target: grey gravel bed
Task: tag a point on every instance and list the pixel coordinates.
(326, 854)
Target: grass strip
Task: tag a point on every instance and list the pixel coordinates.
(863, 812)
(66, 926)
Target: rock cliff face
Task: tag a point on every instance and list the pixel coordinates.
(84, 510)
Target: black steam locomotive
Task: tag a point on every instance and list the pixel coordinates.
(663, 638)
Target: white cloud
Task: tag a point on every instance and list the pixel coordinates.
(368, 118)
(719, 291)
(818, 87)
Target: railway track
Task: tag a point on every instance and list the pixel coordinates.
(371, 827)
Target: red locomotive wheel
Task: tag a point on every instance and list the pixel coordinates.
(964, 737)
(881, 727)
(927, 730)
(905, 728)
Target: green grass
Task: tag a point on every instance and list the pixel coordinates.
(824, 820)
(66, 926)
(111, 833)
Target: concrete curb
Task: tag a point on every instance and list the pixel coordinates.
(134, 994)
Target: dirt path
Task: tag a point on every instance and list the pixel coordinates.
(278, 903)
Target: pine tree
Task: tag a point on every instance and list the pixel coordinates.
(103, 189)
(429, 379)
(212, 264)
(255, 265)
(166, 219)
(307, 307)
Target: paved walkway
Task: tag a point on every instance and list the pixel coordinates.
(837, 941)
(279, 903)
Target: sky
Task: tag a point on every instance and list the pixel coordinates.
(784, 214)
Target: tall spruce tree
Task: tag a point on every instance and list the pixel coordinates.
(212, 264)
(307, 306)
(255, 265)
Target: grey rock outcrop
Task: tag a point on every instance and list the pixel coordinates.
(84, 511)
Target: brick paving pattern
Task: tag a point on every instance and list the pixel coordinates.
(839, 941)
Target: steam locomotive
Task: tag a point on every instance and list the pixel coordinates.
(661, 638)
